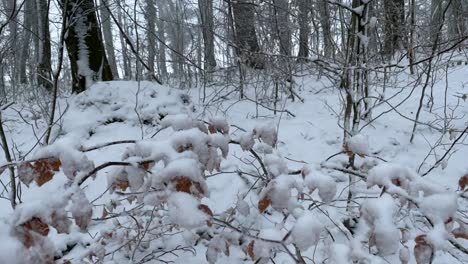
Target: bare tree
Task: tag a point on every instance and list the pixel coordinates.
(304, 28)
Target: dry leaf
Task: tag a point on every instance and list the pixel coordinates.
(45, 170)
(264, 203)
(122, 184)
(60, 222)
(347, 150)
(250, 250)
(36, 225)
(211, 129)
(463, 182)
(26, 173)
(104, 213)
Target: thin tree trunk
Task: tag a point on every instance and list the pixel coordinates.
(25, 45)
(108, 39)
(304, 28)
(324, 11)
(123, 44)
(207, 24)
(44, 67)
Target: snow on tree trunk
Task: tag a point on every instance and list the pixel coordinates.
(85, 46)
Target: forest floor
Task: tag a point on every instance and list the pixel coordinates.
(131, 111)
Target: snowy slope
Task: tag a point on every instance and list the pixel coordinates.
(134, 111)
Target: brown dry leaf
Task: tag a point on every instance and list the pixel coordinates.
(463, 182)
(25, 236)
(147, 166)
(250, 249)
(26, 173)
(182, 184)
(122, 184)
(36, 225)
(104, 213)
(199, 188)
(45, 169)
(204, 208)
(347, 150)
(60, 222)
(460, 235)
(264, 203)
(211, 129)
(185, 147)
(423, 252)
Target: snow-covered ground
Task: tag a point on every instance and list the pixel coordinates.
(308, 142)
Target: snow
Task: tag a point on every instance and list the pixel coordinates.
(183, 145)
(359, 144)
(325, 185)
(306, 231)
(184, 211)
(439, 207)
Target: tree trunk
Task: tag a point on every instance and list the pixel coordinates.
(125, 54)
(85, 46)
(282, 26)
(394, 26)
(162, 49)
(457, 20)
(324, 10)
(304, 29)
(9, 8)
(436, 19)
(150, 15)
(25, 45)
(207, 24)
(108, 39)
(44, 68)
(245, 33)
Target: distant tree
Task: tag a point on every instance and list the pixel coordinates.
(85, 47)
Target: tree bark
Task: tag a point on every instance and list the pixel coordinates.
(283, 26)
(394, 26)
(457, 20)
(207, 24)
(304, 29)
(108, 39)
(245, 33)
(150, 15)
(85, 46)
(324, 10)
(44, 67)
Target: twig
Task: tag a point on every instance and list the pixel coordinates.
(8, 158)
